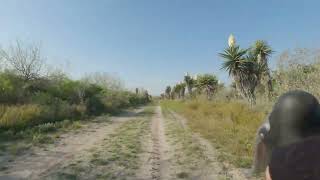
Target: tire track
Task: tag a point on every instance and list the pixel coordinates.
(159, 156)
(217, 168)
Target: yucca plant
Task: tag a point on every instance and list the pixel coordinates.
(182, 89)
(209, 83)
(168, 92)
(190, 82)
(242, 67)
(263, 51)
(176, 91)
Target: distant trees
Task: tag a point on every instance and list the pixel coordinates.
(179, 90)
(182, 89)
(168, 92)
(190, 83)
(247, 67)
(209, 83)
(206, 82)
(31, 95)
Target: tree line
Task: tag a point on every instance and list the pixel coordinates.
(248, 68)
(32, 93)
(203, 83)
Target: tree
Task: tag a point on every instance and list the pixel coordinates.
(168, 92)
(190, 82)
(209, 83)
(243, 70)
(179, 90)
(182, 89)
(105, 80)
(176, 91)
(26, 61)
(147, 96)
(263, 51)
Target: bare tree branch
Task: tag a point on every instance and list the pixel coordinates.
(26, 61)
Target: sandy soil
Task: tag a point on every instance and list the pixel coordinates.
(38, 161)
(156, 162)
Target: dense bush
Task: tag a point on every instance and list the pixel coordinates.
(298, 69)
(46, 100)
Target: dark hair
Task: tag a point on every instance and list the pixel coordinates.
(298, 161)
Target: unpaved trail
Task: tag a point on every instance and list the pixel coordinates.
(156, 163)
(172, 151)
(160, 157)
(39, 160)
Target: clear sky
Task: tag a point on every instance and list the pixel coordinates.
(152, 43)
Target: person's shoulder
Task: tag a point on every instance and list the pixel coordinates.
(296, 160)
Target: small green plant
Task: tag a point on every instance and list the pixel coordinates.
(38, 138)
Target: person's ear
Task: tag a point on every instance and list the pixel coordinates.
(268, 177)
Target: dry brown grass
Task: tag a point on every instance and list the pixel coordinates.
(230, 126)
(18, 116)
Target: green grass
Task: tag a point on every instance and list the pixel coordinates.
(188, 152)
(230, 126)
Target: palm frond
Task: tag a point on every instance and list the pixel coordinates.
(262, 47)
(234, 57)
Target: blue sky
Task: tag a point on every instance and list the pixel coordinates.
(152, 43)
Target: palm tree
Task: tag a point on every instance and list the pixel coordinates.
(176, 90)
(162, 96)
(168, 92)
(242, 68)
(209, 83)
(263, 51)
(190, 82)
(182, 89)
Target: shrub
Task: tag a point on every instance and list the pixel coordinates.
(298, 69)
(95, 105)
(46, 127)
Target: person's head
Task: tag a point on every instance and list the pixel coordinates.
(298, 161)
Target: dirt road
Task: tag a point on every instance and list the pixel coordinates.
(149, 143)
(40, 160)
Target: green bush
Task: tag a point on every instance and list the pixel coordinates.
(25, 103)
(95, 105)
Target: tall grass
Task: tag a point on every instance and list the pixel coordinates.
(230, 126)
(19, 116)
